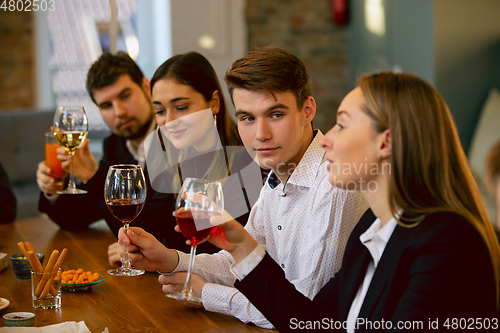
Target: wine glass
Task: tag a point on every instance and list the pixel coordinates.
(125, 194)
(70, 129)
(198, 200)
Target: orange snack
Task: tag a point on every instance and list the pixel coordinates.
(78, 276)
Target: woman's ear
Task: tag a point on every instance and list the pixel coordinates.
(215, 102)
(385, 144)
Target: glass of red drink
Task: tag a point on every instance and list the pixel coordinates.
(125, 195)
(197, 201)
(56, 170)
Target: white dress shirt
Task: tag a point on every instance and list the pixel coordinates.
(375, 239)
(303, 226)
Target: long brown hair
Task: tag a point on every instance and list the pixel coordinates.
(430, 171)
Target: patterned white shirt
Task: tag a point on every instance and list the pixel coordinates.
(303, 225)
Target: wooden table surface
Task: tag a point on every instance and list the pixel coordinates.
(122, 304)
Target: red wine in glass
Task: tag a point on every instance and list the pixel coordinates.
(125, 195)
(195, 226)
(125, 210)
(197, 201)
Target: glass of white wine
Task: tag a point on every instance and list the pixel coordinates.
(70, 129)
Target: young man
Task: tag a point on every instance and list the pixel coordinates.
(122, 93)
(301, 220)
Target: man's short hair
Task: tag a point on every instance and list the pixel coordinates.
(108, 67)
(272, 69)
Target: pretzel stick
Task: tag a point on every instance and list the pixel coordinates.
(53, 275)
(23, 250)
(48, 269)
(35, 263)
(26, 253)
(29, 247)
(29, 257)
(38, 268)
(33, 259)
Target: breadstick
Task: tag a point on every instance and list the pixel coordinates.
(35, 263)
(29, 247)
(38, 268)
(48, 269)
(29, 257)
(33, 259)
(57, 265)
(23, 250)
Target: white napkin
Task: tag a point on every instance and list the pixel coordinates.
(66, 327)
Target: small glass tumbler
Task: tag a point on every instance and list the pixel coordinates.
(49, 298)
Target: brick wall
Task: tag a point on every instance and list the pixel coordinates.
(306, 29)
(17, 72)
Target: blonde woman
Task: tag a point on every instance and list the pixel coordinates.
(423, 257)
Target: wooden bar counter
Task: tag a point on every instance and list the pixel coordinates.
(122, 304)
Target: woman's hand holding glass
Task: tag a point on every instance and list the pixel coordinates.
(125, 195)
(146, 252)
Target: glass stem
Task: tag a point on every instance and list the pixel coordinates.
(71, 177)
(186, 291)
(126, 260)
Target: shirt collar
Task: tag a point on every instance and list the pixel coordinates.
(376, 237)
(139, 153)
(307, 169)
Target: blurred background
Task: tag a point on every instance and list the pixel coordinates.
(45, 54)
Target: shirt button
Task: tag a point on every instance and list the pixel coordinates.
(279, 227)
(283, 266)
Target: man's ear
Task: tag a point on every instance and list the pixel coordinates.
(385, 144)
(146, 86)
(215, 101)
(309, 109)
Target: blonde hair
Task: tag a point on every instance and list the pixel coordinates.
(423, 136)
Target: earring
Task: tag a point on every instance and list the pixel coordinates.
(215, 120)
(381, 157)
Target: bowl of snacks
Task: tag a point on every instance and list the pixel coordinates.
(78, 279)
(22, 266)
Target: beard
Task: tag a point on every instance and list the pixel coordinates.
(141, 131)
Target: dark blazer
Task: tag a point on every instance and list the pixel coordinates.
(440, 269)
(8, 201)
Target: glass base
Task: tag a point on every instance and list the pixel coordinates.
(120, 271)
(49, 302)
(72, 191)
(188, 297)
